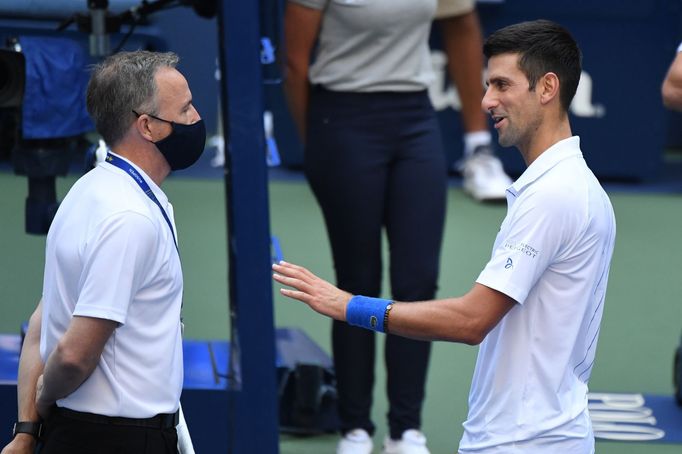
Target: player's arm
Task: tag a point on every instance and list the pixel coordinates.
(467, 319)
(301, 27)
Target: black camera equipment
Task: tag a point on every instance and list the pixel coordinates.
(40, 159)
(44, 157)
(98, 23)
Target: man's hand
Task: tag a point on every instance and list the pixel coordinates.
(22, 444)
(317, 293)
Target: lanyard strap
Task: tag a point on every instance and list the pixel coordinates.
(134, 174)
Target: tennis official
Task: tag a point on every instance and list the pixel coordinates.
(110, 337)
(537, 305)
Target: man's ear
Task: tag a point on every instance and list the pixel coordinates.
(549, 87)
(142, 124)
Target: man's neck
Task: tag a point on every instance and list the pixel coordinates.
(548, 134)
(150, 161)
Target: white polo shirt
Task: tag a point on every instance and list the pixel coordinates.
(552, 256)
(110, 254)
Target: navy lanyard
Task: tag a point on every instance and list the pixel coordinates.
(134, 174)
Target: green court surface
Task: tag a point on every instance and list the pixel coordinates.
(640, 329)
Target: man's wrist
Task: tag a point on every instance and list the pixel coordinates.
(367, 312)
(27, 428)
(25, 441)
(386, 314)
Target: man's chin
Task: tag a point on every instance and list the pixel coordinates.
(504, 142)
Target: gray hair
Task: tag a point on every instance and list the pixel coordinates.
(124, 82)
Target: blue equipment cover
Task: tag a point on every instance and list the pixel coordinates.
(56, 80)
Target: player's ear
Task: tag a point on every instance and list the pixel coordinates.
(548, 87)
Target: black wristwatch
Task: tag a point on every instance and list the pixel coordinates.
(28, 427)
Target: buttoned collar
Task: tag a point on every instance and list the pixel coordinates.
(549, 158)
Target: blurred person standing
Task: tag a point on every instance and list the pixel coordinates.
(483, 176)
(356, 83)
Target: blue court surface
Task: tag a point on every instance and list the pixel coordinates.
(636, 417)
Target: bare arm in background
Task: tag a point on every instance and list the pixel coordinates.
(672, 85)
(301, 27)
(462, 42)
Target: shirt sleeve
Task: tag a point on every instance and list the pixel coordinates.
(450, 8)
(530, 241)
(314, 4)
(115, 258)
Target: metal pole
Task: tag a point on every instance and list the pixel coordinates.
(253, 395)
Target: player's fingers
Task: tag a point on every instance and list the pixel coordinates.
(295, 294)
(286, 280)
(300, 271)
(286, 269)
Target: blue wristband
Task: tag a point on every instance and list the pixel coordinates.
(367, 312)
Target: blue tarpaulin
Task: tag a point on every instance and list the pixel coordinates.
(56, 80)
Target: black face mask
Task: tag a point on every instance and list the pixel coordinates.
(184, 145)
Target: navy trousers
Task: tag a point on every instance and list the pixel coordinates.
(375, 163)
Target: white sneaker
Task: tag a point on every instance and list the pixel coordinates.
(412, 442)
(483, 175)
(357, 441)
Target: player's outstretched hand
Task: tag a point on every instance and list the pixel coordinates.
(317, 293)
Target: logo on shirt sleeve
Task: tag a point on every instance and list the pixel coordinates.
(509, 265)
(526, 249)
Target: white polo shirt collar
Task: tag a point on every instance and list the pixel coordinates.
(561, 150)
(158, 192)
